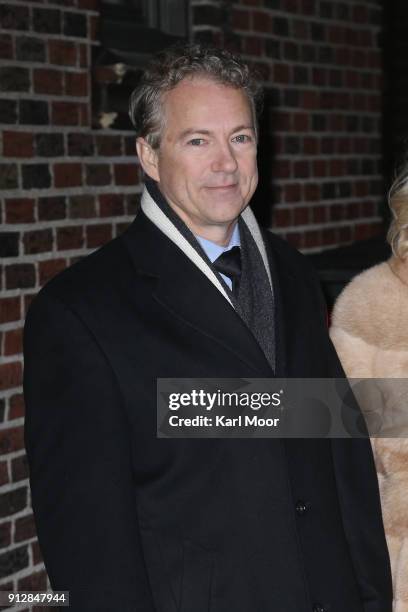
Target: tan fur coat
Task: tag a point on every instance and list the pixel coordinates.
(370, 333)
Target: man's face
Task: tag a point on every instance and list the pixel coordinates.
(206, 163)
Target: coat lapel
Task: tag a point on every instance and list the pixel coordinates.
(185, 292)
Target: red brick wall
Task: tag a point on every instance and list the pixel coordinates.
(321, 62)
(66, 188)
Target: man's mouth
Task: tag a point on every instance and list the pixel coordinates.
(223, 186)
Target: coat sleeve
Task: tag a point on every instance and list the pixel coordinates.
(357, 485)
(79, 455)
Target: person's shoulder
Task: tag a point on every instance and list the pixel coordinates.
(365, 288)
(376, 276)
(89, 275)
(365, 304)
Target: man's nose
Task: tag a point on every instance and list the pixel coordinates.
(224, 159)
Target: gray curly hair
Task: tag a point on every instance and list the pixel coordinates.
(176, 63)
(398, 202)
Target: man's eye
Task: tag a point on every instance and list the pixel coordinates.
(196, 142)
(241, 138)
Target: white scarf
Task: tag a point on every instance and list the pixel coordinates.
(157, 216)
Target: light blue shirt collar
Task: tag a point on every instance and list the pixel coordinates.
(213, 250)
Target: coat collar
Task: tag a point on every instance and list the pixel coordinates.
(158, 217)
(185, 292)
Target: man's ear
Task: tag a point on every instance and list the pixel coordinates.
(148, 158)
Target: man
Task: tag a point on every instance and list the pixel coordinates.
(130, 522)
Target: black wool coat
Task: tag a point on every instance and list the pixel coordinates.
(130, 522)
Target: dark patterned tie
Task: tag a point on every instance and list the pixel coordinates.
(229, 264)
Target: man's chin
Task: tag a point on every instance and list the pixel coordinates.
(224, 208)
(225, 217)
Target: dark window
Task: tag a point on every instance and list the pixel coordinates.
(130, 32)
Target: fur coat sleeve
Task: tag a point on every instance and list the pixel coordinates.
(370, 333)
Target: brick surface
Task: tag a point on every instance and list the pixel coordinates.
(29, 49)
(84, 115)
(17, 144)
(111, 145)
(36, 176)
(6, 46)
(4, 477)
(24, 530)
(98, 174)
(62, 52)
(19, 468)
(48, 269)
(11, 440)
(13, 78)
(27, 299)
(9, 244)
(121, 227)
(33, 112)
(49, 145)
(37, 241)
(94, 27)
(76, 84)
(47, 20)
(10, 309)
(65, 113)
(5, 534)
(132, 203)
(83, 56)
(241, 19)
(51, 208)
(67, 174)
(10, 377)
(37, 556)
(48, 81)
(70, 238)
(14, 17)
(8, 111)
(13, 561)
(82, 207)
(126, 174)
(16, 406)
(35, 582)
(97, 235)
(111, 205)
(8, 176)
(80, 144)
(75, 24)
(262, 21)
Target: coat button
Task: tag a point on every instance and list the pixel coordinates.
(319, 608)
(301, 508)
